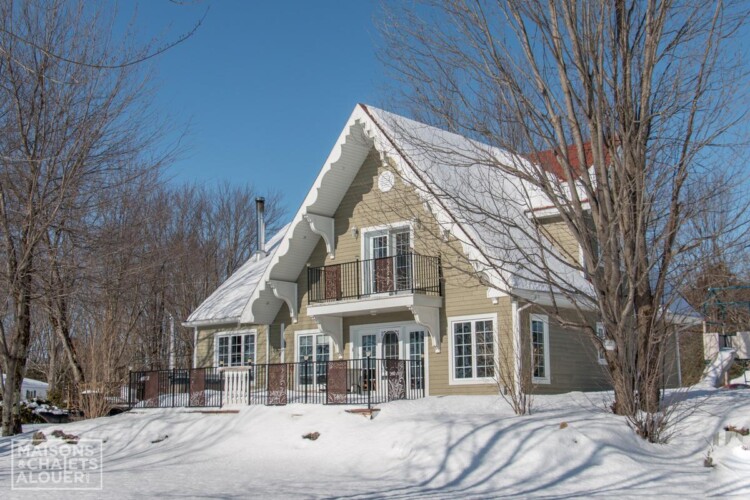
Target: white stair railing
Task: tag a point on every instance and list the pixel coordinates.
(236, 386)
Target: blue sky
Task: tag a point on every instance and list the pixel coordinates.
(265, 87)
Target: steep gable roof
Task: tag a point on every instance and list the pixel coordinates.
(457, 177)
(248, 296)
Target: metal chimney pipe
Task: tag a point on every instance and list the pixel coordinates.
(260, 208)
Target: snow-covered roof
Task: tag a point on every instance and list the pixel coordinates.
(472, 196)
(31, 383)
(248, 296)
(230, 299)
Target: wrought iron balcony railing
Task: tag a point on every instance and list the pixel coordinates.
(404, 273)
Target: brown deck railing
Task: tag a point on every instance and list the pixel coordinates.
(405, 273)
(202, 387)
(365, 381)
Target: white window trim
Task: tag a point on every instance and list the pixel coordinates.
(382, 228)
(253, 332)
(600, 357)
(452, 380)
(545, 334)
(300, 333)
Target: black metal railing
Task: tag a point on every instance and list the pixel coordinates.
(407, 273)
(201, 387)
(365, 381)
(353, 381)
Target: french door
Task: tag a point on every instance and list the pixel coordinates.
(387, 261)
(390, 343)
(313, 351)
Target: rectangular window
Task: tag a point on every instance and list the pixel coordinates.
(369, 345)
(223, 355)
(485, 349)
(235, 350)
(462, 350)
(540, 349)
(416, 355)
(473, 349)
(235, 357)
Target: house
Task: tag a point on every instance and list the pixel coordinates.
(376, 264)
(32, 389)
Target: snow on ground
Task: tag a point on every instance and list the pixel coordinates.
(437, 447)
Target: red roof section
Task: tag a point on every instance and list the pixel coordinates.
(549, 160)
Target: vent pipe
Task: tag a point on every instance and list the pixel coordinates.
(260, 208)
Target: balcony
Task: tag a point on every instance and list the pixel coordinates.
(404, 274)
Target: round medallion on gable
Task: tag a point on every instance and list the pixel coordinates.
(386, 180)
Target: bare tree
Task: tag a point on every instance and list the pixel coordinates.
(68, 126)
(212, 233)
(614, 117)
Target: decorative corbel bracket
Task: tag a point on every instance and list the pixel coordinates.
(429, 317)
(323, 226)
(333, 326)
(286, 291)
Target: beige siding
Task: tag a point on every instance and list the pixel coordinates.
(563, 240)
(365, 206)
(572, 357)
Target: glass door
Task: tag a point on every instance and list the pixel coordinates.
(368, 353)
(382, 272)
(388, 261)
(390, 345)
(402, 262)
(304, 358)
(416, 359)
(313, 353)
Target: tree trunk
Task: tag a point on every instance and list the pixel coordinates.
(648, 375)
(19, 348)
(58, 318)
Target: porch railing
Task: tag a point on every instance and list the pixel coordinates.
(202, 387)
(411, 272)
(352, 381)
(365, 381)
